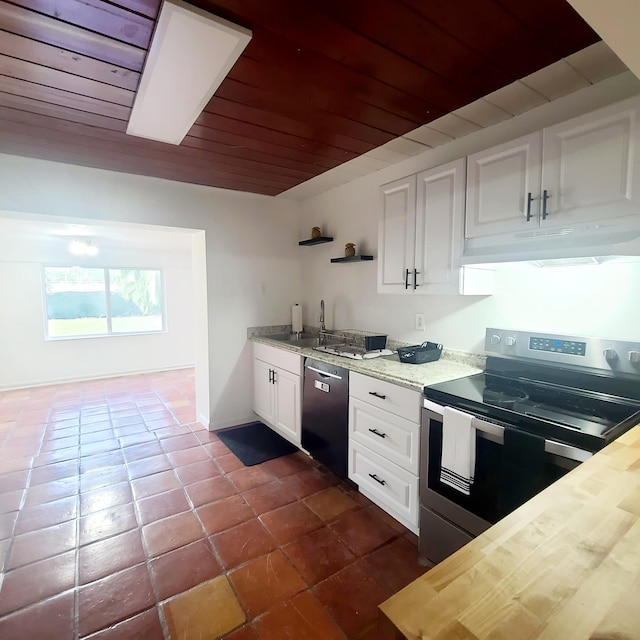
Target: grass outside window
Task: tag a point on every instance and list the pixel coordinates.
(83, 301)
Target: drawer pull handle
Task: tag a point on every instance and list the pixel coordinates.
(375, 477)
(377, 395)
(378, 433)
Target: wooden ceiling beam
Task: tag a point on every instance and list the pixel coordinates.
(243, 142)
(271, 101)
(303, 24)
(119, 165)
(67, 61)
(314, 98)
(29, 105)
(269, 120)
(85, 134)
(548, 20)
(499, 36)
(52, 31)
(38, 74)
(65, 98)
(405, 32)
(51, 142)
(149, 8)
(281, 138)
(97, 16)
(308, 66)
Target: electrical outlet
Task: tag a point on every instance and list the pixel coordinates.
(420, 322)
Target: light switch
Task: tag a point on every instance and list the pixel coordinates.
(420, 322)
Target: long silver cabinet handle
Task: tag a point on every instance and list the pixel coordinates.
(324, 373)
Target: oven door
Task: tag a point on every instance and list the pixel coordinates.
(505, 477)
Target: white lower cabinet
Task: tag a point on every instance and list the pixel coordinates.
(277, 390)
(384, 445)
(391, 487)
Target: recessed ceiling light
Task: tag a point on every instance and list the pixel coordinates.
(191, 53)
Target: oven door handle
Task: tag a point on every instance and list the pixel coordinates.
(493, 432)
(566, 451)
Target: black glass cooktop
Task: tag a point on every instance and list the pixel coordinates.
(546, 402)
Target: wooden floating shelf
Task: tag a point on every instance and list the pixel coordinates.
(352, 259)
(320, 240)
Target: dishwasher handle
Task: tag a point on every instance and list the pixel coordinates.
(323, 373)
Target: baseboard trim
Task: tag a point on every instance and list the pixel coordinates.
(120, 374)
(222, 423)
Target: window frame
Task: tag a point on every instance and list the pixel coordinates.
(107, 292)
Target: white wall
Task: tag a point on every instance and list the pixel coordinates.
(30, 360)
(349, 213)
(251, 244)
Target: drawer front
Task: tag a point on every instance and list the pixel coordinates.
(392, 488)
(386, 395)
(278, 357)
(393, 437)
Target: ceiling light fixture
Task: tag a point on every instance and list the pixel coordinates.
(83, 248)
(191, 53)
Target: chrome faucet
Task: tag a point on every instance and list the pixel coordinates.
(323, 329)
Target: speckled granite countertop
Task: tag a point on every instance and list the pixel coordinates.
(451, 365)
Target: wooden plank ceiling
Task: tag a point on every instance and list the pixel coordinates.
(321, 82)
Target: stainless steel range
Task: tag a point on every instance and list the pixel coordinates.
(491, 441)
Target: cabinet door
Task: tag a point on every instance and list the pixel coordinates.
(263, 391)
(440, 228)
(591, 165)
(499, 181)
(288, 410)
(396, 234)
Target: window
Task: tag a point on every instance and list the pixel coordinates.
(89, 301)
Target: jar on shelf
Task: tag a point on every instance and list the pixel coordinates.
(349, 250)
(316, 233)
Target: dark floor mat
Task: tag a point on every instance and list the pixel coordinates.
(255, 443)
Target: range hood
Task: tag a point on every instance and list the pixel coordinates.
(600, 240)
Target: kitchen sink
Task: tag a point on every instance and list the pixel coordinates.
(304, 340)
(292, 337)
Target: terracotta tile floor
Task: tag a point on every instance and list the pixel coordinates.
(121, 517)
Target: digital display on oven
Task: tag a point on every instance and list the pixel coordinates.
(571, 347)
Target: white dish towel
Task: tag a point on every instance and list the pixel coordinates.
(458, 450)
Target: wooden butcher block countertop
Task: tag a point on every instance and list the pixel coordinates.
(564, 566)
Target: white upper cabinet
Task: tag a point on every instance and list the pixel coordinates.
(421, 234)
(439, 228)
(501, 184)
(396, 235)
(580, 170)
(591, 165)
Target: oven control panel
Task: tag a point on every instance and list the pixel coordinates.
(557, 345)
(592, 353)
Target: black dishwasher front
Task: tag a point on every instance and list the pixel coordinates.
(325, 414)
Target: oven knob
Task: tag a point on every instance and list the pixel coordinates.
(610, 355)
(634, 357)
(509, 341)
(495, 339)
